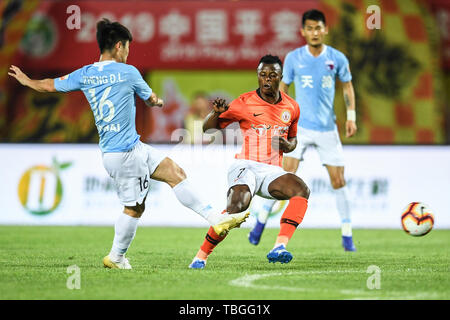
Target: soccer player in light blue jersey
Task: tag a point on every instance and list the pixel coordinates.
(313, 68)
(110, 86)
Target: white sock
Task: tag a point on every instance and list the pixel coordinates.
(343, 207)
(186, 194)
(198, 259)
(346, 229)
(125, 230)
(278, 244)
(266, 209)
(261, 208)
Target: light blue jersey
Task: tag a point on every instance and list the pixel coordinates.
(110, 88)
(315, 79)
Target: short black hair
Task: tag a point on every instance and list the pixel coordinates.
(270, 59)
(109, 33)
(313, 14)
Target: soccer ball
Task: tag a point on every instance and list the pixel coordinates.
(417, 219)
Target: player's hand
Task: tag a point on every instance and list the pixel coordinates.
(159, 103)
(18, 74)
(154, 101)
(280, 143)
(220, 105)
(350, 128)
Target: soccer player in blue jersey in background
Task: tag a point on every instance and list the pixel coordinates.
(313, 68)
(110, 86)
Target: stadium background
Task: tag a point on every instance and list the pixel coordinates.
(51, 166)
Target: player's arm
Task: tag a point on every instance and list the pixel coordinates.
(349, 99)
(289, 144)
(283, 144)
(284, 87)
(288, 73)
(212, 119)
(142, 89)
(154, 101)
(45, 85)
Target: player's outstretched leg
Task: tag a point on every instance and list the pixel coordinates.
(288, 186)
(262, 207)
(212, 239)
(239, 197)
(168, 171)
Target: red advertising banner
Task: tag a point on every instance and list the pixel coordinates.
(166, 34)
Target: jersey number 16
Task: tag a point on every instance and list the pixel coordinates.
(97, 107)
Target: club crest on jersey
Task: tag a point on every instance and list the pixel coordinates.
(64, 77)
(286, 116)
(330, 64)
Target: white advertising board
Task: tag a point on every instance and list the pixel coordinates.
(55, 184)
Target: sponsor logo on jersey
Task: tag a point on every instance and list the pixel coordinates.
(64, 77)
(280, 131)
(261, 129)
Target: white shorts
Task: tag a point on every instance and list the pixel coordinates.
(256, 175)
(327, 143)
(131, 171)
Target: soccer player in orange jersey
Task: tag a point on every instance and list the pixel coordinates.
(314, 69)
(268, 121)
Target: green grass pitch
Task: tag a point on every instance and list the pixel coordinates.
(34, 262)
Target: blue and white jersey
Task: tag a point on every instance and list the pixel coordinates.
(315, 79)
(110, 88)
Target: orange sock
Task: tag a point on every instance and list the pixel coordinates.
(293, 216)
(212, 239)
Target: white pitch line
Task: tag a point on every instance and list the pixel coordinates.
(247, 281)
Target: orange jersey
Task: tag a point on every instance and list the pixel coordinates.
(259, 122)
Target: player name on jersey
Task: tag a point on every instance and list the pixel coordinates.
(97, 80)
(109, 127)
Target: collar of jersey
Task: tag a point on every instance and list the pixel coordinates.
(258, 93)
(99, 63)
(321, 54)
